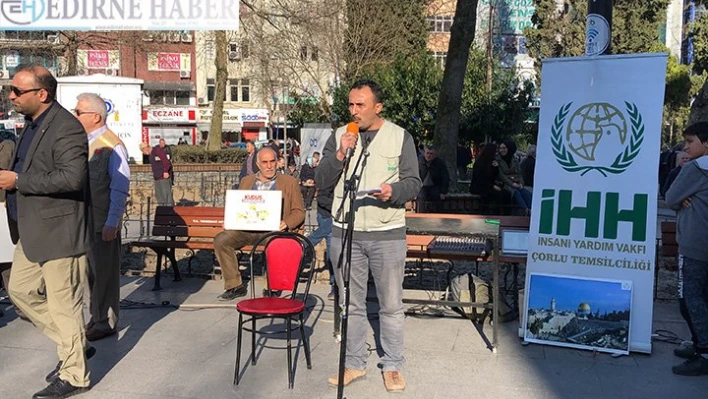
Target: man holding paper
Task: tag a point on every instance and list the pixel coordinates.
(389, 180)
(228, 241)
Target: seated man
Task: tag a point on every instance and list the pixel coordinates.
(293, 215)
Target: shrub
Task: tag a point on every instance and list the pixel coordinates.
(199, 154)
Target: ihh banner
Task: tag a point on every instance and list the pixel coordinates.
(595, 194)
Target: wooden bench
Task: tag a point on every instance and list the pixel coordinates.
(182, 227)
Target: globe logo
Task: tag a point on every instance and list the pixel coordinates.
(597, 137)
(592, 123)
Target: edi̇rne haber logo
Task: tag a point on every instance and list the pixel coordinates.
(595, 137)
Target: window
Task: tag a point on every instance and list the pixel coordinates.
(440, 23)
(210, 49)
(169, 97)
(245, 91)
(237, 52)
(211, 90)
(233, 84)
(308, 53)
(240, 90)
(157, 97)
(440, 57)
(182, 97)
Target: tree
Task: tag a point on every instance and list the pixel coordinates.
(215, 129)
(699, 34)
(500, 113)
(450, 100)
(411, 88)
(378, 31)
(559, 29)
(677, 98)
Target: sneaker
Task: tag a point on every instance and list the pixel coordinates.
(394, 381)
(350, 375)
(686, 352)
(330, 296)
(233, 293)
(694, 367)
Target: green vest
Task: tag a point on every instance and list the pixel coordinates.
(371, 213)
(100, 152)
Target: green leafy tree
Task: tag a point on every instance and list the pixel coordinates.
(501, 113)
(411, 85)
(560, 31)
(379, 31)
(306, 110)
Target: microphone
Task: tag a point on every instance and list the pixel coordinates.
(352, 128)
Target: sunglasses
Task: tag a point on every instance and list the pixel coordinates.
(79, 112)
(18, 92)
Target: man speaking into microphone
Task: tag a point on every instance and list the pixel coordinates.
(379, 239)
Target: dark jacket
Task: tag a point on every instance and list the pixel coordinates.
(52, 190)
(254, 165)
(438, 174)
(7, 148)
(528, 166)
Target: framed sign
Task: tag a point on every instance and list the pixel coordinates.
(579, 313)
(253, 210)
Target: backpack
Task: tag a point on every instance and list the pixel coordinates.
(470, 288)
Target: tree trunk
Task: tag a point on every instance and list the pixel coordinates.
(71, 52)
(699, 108)
(221, 44)
(447, 124)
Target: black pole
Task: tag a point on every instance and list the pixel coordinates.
(351, 186)
(598, 29)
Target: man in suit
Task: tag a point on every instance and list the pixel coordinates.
(293, 214)
(109, 176)
(48, 212)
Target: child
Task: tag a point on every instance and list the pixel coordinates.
(688, 195)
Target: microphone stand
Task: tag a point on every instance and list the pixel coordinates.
(351, 186)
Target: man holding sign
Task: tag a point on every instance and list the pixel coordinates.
(228, 241)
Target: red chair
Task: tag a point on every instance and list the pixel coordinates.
(284, 264)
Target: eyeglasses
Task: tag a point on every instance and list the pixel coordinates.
(79, 112)
(18, 92)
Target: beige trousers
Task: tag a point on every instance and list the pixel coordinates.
(104, 283)
(225, 245)
(51, 294)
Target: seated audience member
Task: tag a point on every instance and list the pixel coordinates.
(510, 175)
(228, 241)
(485, 174)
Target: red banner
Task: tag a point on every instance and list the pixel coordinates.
(98, 59)
(168, 61)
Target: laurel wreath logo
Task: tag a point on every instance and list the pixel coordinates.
(623, 160)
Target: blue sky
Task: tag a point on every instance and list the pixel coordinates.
(570, 292)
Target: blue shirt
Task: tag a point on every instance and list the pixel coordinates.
(119, 173)
(32, 127)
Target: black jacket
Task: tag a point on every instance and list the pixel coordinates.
(52, 190)
(438, 173)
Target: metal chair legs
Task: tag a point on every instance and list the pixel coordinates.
(288, 333)
(238, 350)
(305, 343)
